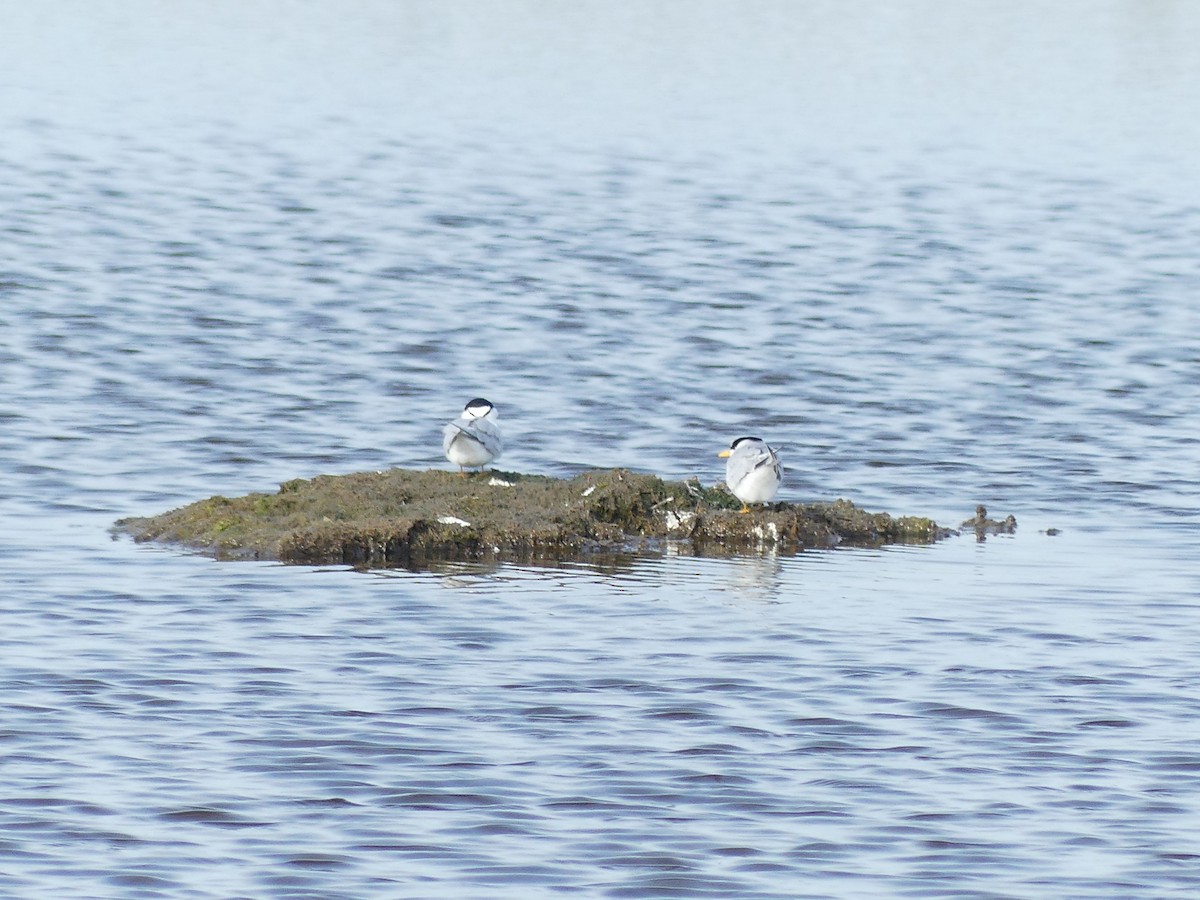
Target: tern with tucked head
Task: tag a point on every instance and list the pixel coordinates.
(473, 439)
(752, 471)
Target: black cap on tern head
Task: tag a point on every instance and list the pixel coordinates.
(478, 408)
(733, 446)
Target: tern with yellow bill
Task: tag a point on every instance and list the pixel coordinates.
(752, 471)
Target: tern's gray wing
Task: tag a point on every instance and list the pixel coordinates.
(487, 433)
(745, 460)
(480, 430)
(776, 463)
(449, 433)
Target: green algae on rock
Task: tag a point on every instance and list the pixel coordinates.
(403, 517)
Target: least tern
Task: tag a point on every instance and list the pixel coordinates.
(752, 471)
(473, 439)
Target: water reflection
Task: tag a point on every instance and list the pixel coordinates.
(754, 576)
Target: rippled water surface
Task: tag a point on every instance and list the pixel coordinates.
(222, 269)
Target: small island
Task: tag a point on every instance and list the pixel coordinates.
(410, 518)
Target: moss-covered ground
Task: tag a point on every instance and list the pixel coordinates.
(405, 518)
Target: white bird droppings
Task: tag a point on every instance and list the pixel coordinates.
(771, 532)
(675, 520)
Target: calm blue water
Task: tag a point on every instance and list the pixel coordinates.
(236, 253)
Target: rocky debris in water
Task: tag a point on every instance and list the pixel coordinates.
(407, 518)
(983, 526)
